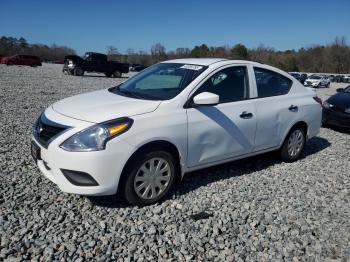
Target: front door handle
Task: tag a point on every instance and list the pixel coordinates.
(293, 108)
(246, 115)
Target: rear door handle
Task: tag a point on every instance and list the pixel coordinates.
(246, 115)
(293, 108)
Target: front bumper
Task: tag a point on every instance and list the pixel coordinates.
(315, 84)
(67, 69)
(105, 166)
(335, 117)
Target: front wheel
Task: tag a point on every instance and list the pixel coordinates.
(117, 74)
(149, 178)
(78, 71)
(293, 145)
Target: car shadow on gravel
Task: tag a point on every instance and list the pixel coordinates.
(242, 167)
(112, 201)
(203, 177)
(339, 129)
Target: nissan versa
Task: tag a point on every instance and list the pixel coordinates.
(142, 136)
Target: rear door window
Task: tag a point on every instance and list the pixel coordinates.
(270, 83)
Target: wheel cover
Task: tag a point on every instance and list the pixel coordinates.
(295, 143)
(152, 178)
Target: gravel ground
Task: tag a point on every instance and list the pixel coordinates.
(258, 209)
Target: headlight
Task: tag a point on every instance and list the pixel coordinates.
(95, 138)
(327, 105)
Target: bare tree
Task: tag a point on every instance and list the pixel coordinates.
(113, 54)
(182, 52)
(158, 52)
(112, 50)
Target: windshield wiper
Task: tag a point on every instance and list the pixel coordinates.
(129, 93)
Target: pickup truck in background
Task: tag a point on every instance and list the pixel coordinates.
(93, 62)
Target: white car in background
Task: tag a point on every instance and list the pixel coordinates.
(174, 117)
(346, 79)
(317, 81)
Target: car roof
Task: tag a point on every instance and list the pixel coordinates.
(196, 61)
(94, 53)
(208, 61)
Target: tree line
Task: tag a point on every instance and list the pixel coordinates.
(331, 58)
(13, 46)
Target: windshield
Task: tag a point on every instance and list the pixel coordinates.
(315, 77)
(159, 82)
(347, 89)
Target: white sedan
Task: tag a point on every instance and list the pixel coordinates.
(317, 81)
(177, 116)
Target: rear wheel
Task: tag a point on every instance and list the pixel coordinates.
(78, 71)
(149, 178)
(293, 144)
(117, 74)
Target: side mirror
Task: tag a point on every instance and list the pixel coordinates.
(206, 98)
(340, 90)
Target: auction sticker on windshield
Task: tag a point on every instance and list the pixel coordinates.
(192, 67)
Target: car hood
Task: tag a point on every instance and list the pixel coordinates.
(340, 100)
(100, 106)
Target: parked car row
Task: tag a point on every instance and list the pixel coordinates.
(301, 77)
(339, 78)
(29, 60)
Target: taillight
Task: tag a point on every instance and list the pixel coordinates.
(318, 100)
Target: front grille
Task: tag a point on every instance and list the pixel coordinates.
(45, 130)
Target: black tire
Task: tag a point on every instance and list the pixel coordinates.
(78, 71)
(127, 186)
(286, 153)
(117, 74)
(108, 74)
(328, 85)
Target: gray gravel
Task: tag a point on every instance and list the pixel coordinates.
(258, 209)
